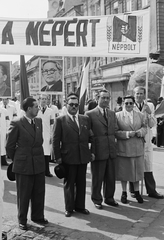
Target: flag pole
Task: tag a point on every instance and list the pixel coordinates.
(148, 61)
(147, 78)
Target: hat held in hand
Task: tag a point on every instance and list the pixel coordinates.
(10, 174)
(60, 171)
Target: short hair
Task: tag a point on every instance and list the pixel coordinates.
(72, 95)
(139, 88)
(57, 64)
(119, 100)
(104, 90)
(4, 69)
(28, 102)
(129, 97)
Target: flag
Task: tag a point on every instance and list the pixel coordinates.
(159, 112)
(24, 88)
(82, 88)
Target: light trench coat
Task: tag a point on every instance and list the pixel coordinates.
(4, 126)
(1, 199)
(47, 120)
(148, 156)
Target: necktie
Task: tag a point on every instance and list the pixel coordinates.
(43, 110)
(104, 115)
(33, 123)
(74, 120)
(5, 106)
(140, 107)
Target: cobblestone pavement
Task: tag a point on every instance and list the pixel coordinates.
(126, 222)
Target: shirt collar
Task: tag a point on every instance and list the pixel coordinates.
(29, 119)
(102, 109)
(71, 116)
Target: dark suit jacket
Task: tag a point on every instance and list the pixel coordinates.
(104, 134)
(57, 87)
(24, 146)
(71, 143)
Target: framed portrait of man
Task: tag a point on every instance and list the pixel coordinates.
(51, 75)
(5, 80)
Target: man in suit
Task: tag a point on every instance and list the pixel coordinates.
(148, 110)
(52, 75)
(24, 147)
(71, 136)
(104, 126)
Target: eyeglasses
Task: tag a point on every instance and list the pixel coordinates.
(73, 104)
(129, 103)
(51, 71)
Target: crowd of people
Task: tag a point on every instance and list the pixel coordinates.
(117, 143)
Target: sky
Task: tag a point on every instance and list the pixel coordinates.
(22, 9)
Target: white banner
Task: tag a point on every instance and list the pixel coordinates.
(121, 35)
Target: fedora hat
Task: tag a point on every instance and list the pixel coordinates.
(10, 174)
(60, 171)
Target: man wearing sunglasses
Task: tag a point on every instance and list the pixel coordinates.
(71, 137)
(104, 126)
(52, 75)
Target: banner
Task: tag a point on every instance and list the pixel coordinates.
(121, 35)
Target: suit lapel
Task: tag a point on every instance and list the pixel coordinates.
(127, 120)
(72, 124)
(28, 127)
(100, 117)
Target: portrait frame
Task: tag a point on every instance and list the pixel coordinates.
(6, 84)
(44, 76)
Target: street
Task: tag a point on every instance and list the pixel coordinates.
(128, 221)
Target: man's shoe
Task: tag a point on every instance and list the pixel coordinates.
(156, 195)
(68, 213)
(23, 226)
(49, 175)
(41, 221)
(4, 236)
(112, 203)
(124, 198)
(83, 211)
(98, 205)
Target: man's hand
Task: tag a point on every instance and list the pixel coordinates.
(59, 161)
(138, 134)
(147, 109)
(92, 157)
(132, 133)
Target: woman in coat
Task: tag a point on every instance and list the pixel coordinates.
(130, 148)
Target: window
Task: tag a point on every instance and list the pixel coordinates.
(107, 6)
(74, 62)
(144, 3)
(128, 5)
(68, 62)
(115, 7)
(95, 9)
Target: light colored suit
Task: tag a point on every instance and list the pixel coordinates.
(132, 147)
(148, 137)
